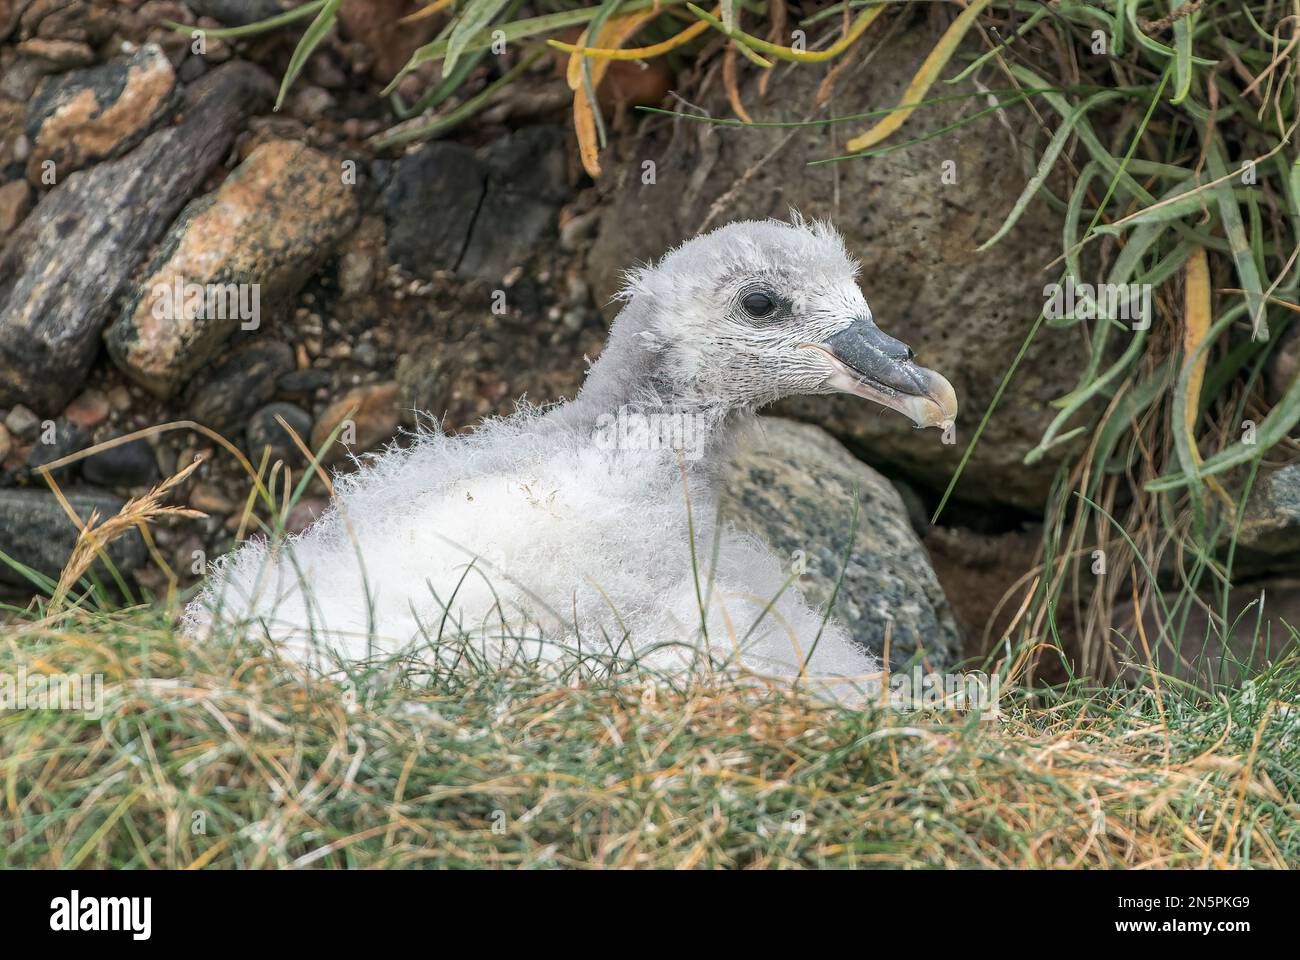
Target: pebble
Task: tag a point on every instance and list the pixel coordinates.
(119, 398)
(88, 410)
(304, 513)
(375, 421)
(264, 430)
(64, 440)
(126, 465)
(210, 500)
(15, 204)
(22, 423)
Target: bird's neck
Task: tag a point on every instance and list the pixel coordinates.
(625, 392)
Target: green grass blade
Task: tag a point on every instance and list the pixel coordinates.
(309, 41)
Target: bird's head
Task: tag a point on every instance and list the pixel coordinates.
(760, 310)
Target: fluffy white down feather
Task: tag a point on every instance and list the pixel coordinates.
(559, 532)
(530, 521)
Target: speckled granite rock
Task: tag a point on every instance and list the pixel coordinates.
(247, 247)
(964, 313)
(84, 116)
(793, 486)
(10, 11)
(62, 267)
(35, 531)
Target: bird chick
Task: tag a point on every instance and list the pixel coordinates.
(591, 528)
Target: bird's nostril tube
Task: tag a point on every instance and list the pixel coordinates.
(895, 349)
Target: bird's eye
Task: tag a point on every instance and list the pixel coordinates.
(759, 306)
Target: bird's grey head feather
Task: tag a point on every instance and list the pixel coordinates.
(759, 310)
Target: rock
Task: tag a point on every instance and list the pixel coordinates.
(792, 486)
(190, 556)
(35, 531)
(264, 430)
(375, 421)
(312, 102)
(85, 116)
(302, 383)
(479, 214)
(1283, 364)
(361, 258)
(239, 384)
(527, 175)
(966, 314)
(1270, 525)
(979, 570)
(324, 72)
(15, 202)
(89, 410)
(251, 243)
(304, 513)
(425, 375)
(119, 398)
(55, 56)
(10, 11)
(356, 274)
(237, 13)
(55, 441)
(126, 465)
(21, 80)
(366, 354)
(577, 230)
(208, 499)
(191, 69)
(63, 266)
(22, 423)
(86, 21)
(14, 145)
(430, 205)
(375, 24)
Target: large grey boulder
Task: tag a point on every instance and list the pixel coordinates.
(964, 313)
(793, 486)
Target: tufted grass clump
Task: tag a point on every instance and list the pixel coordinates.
(220, 754)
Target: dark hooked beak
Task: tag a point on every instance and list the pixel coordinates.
(871, 364)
